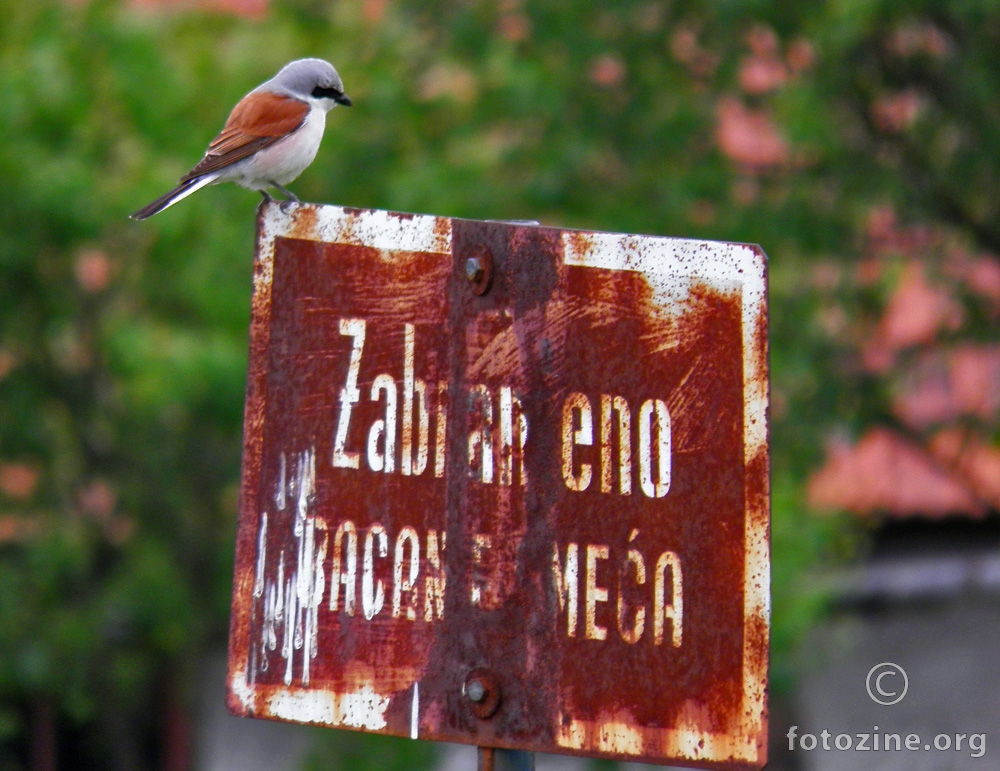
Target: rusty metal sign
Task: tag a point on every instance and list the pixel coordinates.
(506, 485)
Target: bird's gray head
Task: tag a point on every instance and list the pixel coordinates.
(307, 79)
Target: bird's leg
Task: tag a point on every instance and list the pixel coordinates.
(266, 200)
(292, 198)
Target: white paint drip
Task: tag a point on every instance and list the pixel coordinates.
(258, 582)
(279, 493)
(291, 604)
(415, 712)
(290, 609)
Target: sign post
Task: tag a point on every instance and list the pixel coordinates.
(506, 485)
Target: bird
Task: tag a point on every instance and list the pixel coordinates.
(270, 137)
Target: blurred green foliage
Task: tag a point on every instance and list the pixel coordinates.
(123, 345)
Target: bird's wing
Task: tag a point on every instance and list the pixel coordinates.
(259, 120)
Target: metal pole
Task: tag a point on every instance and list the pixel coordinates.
(491, 759)
(515, 760)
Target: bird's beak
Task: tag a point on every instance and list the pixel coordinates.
(342, 99)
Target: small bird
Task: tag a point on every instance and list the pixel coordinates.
(271, 136)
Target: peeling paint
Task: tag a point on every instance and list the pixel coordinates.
(364, 709)
(243, 690)
(304, 707)
(562, 482)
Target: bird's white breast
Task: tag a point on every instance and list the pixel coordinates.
(285, 159)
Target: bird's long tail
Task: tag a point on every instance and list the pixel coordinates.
(183, 190)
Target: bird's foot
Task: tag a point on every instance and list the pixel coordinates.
(267, 198)
(292, 198)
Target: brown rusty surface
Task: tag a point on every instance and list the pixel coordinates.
(461, 582)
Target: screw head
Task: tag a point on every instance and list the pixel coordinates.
(474, 269)
(476, 690)
(482, 689)
(479, 268)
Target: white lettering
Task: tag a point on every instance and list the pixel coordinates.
(406, 586)
(372, 590)
(383, 428)
(349, 394)
(584, 436)
(480, 545)
(632, 633)
(345, 566)
(674, 610)
(594, 594)
(480, 438)
(413, 388)
(510, 406)
(666, 588)
(567, 584)
(660, 487)
(434, 583)
(617, 404)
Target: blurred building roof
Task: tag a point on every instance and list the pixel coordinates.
(887, 473)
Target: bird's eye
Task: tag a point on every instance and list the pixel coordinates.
(321, 92)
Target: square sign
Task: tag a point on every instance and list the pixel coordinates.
(506, 485)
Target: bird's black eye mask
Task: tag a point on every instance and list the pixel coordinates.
(323, 92)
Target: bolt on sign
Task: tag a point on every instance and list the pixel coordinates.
(505, 485)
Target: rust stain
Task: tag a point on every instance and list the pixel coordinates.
(442, 229)
(304, 219)
(241, 618)
(580, 242)
(545, 488)
(347, 234)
